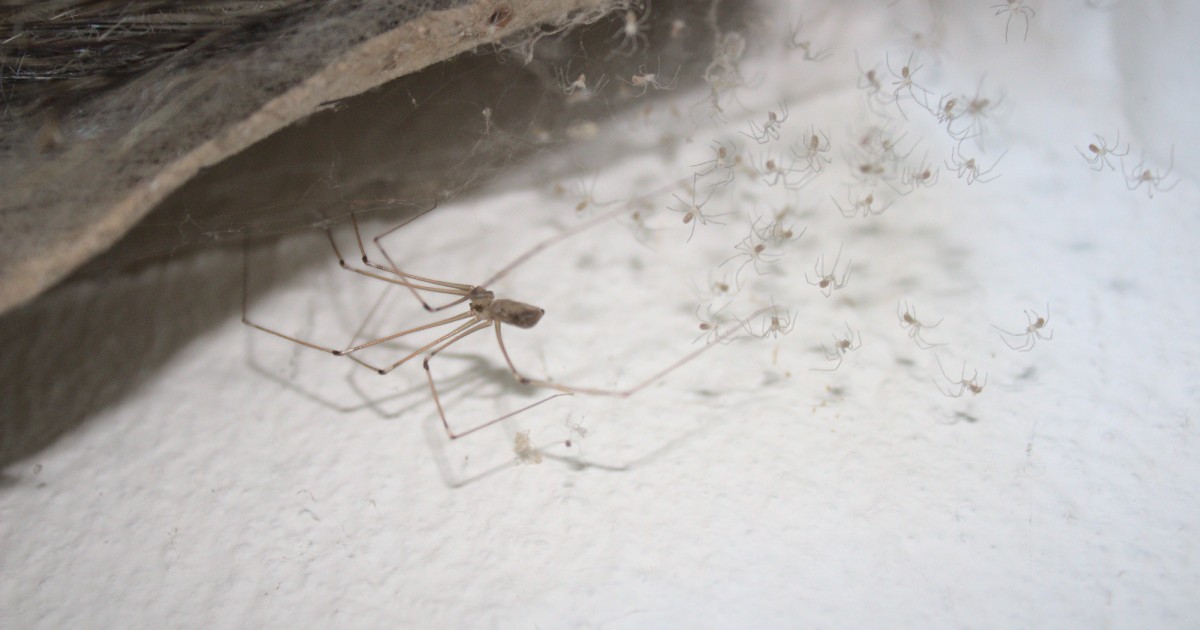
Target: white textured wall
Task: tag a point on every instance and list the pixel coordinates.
(223, 478)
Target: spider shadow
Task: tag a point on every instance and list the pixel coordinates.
(86, 347)
(482, 374)
(576, 463)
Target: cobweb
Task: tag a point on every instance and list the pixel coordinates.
(83, 144)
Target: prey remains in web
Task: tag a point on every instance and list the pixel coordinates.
(480, 309)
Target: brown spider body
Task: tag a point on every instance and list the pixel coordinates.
(487, 307)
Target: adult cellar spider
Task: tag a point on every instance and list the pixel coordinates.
(483, 311)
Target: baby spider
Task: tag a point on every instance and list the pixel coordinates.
(718, 287)
(908, 319)
(713, 325)
(920, 176)
(774, 171)
(647, 80)
(1099, 151)
(947, 110)
(769, 129)
(723, 163)
(1032, 332)
(587, 196)
(579, 91)
(963, 383)
(1139, 175)
(841, 345)
(633, 32)
(829, 282)
(812, 151)
(870, 82)
(1014, 8)
(973, 109)
(693, 212)
(865, 204)
(775, 322)
(871, 170)
(904, 83)
(775, 232)
(793, 42)
(969, 168)
(754, 251)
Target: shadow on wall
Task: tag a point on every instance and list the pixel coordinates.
(85, 345)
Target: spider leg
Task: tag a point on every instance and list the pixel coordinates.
(737, 276)
(941, 369)
(830, 356)
(1026, 344)
(618, 393)
(437, 399)
(924, 344)
(947, 391)
(375, 342)
(408, 280)
(846, 275)
(336, 351)
(429, 345)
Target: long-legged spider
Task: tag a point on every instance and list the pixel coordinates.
(1098, 152)
(908, 319)
(578, 91)
(871, 82)
(769, 130)
(904, 83)
(1032, 332)
(828, 282)
(841, 345)
(969, 169)
(974, 109)
(812, 151)
(963, 383)
(775, 232)
(921, 176)
(774, 171)
(776, 322)
(793, 42)
(633, 31)
(693, 212)
(864, 204)
(754, 250)
(646, 80)
(483, 311)
(1153, 179)
(714, 325)
(1014, 8)
(725, 159)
